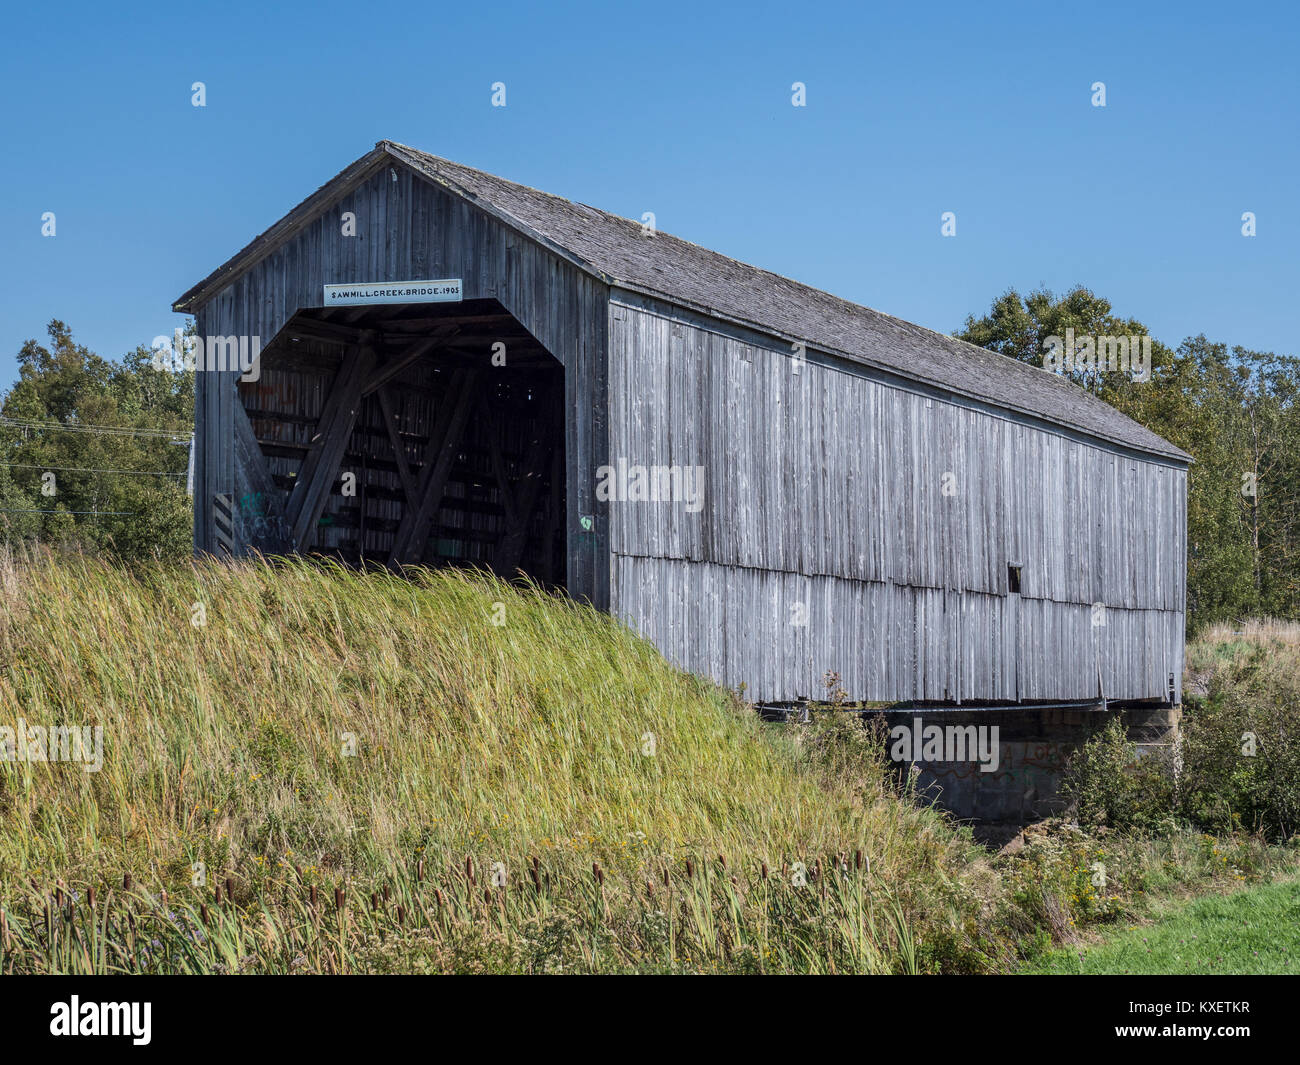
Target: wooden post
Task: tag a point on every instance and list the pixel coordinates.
(511, 547)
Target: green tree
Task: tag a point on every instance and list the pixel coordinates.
(89, 450)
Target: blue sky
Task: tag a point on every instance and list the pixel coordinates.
(684, 110)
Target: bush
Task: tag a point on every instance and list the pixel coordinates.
(1107, 783)
(1241, 745)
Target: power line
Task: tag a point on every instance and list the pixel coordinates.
(119, 513)
(87, 469)
(102, 430)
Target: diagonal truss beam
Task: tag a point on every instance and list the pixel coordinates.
(510, 549)
(328, 443)
(412, 354)
(449, 427)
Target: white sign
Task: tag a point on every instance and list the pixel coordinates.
(448, 291)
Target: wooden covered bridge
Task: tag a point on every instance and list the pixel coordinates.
(457, 369)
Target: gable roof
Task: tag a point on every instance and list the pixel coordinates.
(615, 250)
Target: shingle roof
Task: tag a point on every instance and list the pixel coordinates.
(682, 273)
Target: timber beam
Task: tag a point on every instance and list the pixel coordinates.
(328, 444)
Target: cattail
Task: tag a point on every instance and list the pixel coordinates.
(386, 892)
(597, 872)
(649, 890)
(666, 877)
(90, 896)
(312, 895)
(419, 871)
(437, 897)
(722, 861)
(218, 894)
(126, 881)
(535, 874)
(338, 897)
(230, 888)
(401, 914)
(58, 897)
(764, 871)
(374, 902)
(203, 913)
(297, 870)
(857, 859)
(690, 869)
(469, 868)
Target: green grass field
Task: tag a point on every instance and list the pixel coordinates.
(1256, 930)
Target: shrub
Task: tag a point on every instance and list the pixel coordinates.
(1107, 783)
(1241, 744)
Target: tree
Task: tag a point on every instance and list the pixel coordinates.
(88, 450)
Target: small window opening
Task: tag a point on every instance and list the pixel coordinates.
(1013, 579)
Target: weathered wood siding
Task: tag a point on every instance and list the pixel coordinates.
(853, 520)
(409, 228)
(852, 524)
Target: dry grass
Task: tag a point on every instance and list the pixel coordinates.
(556, 740)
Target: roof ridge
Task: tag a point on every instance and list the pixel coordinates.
(610, 248)
(967, 349)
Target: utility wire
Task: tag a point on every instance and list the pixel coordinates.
(103, 430)
(88, 469)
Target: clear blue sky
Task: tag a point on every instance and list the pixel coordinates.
(684, 110)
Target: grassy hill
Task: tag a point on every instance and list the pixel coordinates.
(311, 769)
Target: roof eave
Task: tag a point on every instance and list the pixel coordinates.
(1174, 454)
(342, 183)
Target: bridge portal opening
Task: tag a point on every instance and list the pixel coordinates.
(412, 434)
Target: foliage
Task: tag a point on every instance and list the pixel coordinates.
(1241, 732)
(49, 469)
(1107, 783)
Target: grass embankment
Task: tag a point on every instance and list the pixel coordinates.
(315, 770)
(310, 769)
(1253, 931)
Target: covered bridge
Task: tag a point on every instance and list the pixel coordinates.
(844, 491)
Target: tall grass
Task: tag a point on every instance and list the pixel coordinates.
(278, 729)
